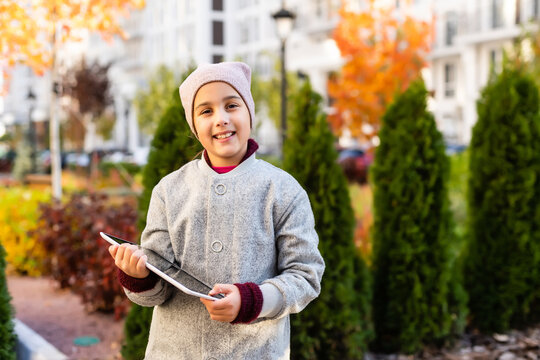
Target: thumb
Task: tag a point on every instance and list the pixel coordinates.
(221, 289)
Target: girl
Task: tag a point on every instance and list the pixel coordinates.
(231, 220)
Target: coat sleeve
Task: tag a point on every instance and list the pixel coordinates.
(155, 236)
(300, 264)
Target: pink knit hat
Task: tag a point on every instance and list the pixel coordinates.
(236, 74)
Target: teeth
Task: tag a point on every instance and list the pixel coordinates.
(224, 136)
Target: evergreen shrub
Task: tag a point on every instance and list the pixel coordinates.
(412, 267)
(503, 254)
(7, 335)
(336, 325)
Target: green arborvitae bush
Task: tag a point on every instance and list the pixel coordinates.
(533, 302)
(335, 325)
(502, 261)
(173, 145)
(137, 327)
(412, 229)
(7, 334)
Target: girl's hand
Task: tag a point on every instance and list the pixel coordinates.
(226, 309)
(130, 259)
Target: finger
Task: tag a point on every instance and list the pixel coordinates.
(129, 251)
(221, 289)
(207, 303)
(141, 264)
(215, 290)
(119, 254)
(221, 305)
(126, 254)
(129, 248)
(113, 249)
(135, 257)
(222, 312)
(133, 247)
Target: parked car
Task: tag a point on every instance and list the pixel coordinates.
(119, 156)
(76, 159)
(43, 161)
(355, 164)
(452, 149)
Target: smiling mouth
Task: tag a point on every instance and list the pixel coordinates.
(224, 135)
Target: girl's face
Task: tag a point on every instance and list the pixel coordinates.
(221, 119)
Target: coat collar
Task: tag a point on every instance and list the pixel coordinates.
(243, 167)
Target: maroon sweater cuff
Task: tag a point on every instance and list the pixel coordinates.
(251, 303)
(135, 284)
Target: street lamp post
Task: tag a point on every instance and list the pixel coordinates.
(284, 21)
(31, 128)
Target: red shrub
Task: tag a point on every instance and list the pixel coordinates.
(78, 258)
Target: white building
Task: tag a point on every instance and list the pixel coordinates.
(471, 36)
(178, 33)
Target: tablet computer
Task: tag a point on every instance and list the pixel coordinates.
(168, 271)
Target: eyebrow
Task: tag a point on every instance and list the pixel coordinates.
(224, 99)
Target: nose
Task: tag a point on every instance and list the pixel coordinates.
(222, 118)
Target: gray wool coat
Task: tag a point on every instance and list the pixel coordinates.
(252, 224)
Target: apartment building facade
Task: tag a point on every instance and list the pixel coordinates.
(470, 36)
(470, 39)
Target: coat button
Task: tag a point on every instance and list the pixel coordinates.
(220, 189)
(217, 246)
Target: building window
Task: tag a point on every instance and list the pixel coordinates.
(217, 5)
(319, 8)
(217, 58)
(189, 6)
(242, 4)
(536, 8)
(256, 29)
(495, 59)
(518, 12)
(217, 32)
(497, 13)
(243, 28)
(451, 28)
(449, 80)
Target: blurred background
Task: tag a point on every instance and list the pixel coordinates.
(89, 102)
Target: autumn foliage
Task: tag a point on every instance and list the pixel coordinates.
(27, 28)
(384, 50)
(19, 38)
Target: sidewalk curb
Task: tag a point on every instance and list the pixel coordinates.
(31, 346)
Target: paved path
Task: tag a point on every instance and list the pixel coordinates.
(59, 317)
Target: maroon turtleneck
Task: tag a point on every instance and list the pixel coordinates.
(252, 146)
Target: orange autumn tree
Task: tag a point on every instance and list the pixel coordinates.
(32, 31)
(384, 50)
(27, 28)
(19, 40)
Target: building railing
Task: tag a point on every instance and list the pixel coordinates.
(496, 16)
